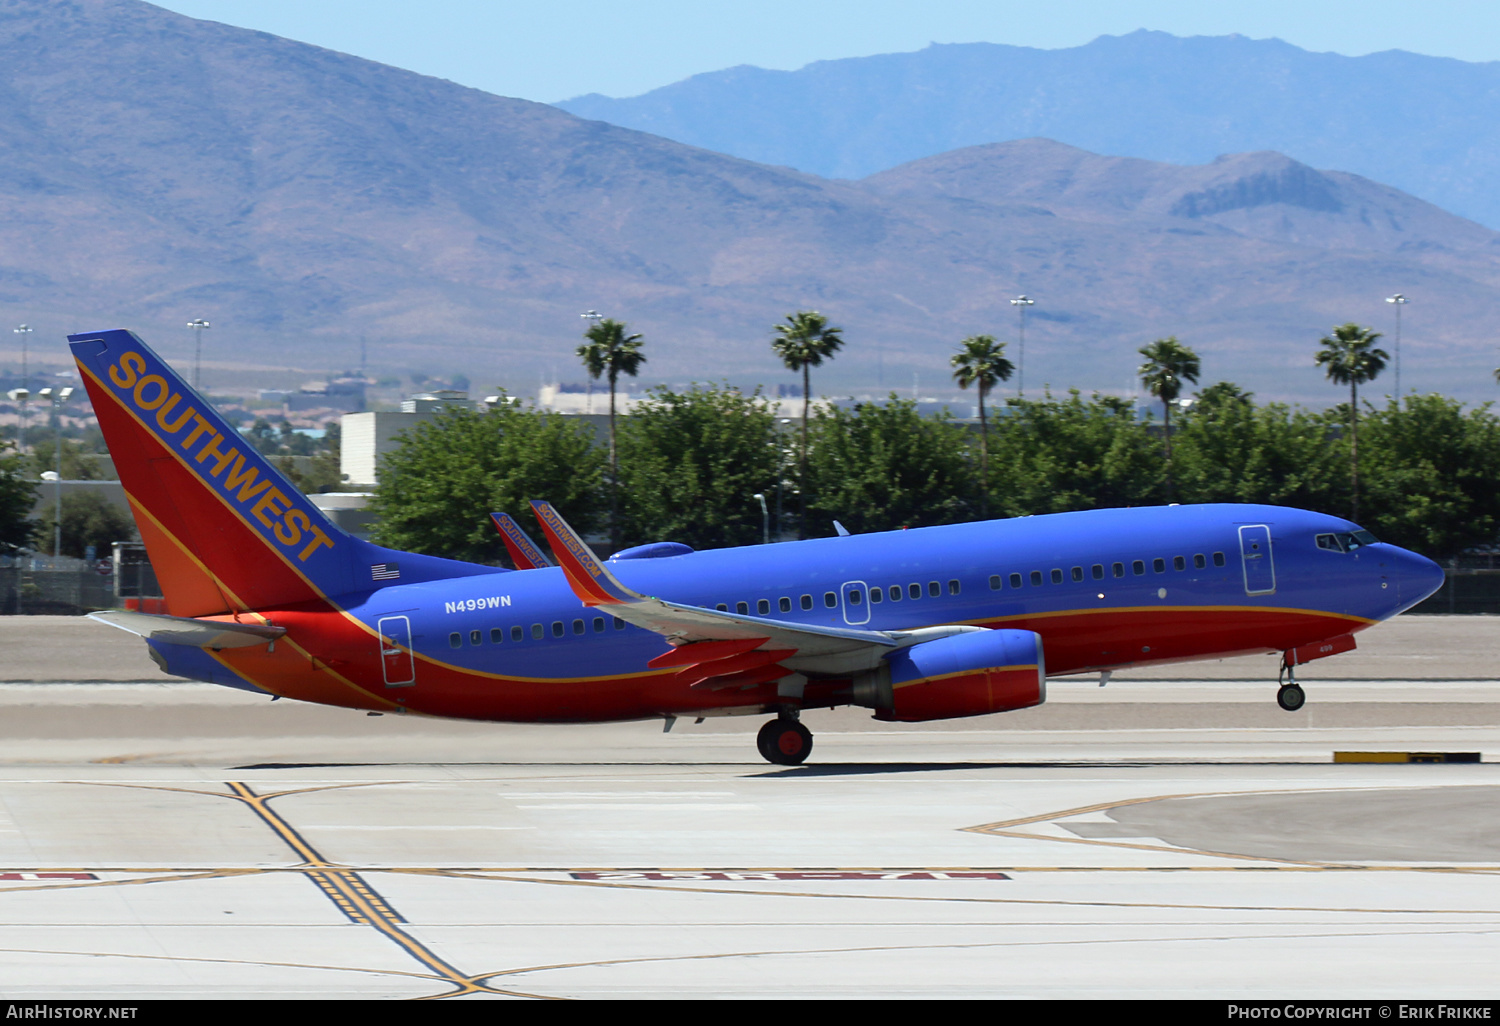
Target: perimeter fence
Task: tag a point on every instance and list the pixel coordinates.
(32, 584)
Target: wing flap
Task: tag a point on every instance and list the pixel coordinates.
(743, 663)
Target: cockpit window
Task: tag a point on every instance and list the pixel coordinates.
(1345, 541)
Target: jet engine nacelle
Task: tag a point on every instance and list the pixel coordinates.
(962, 675)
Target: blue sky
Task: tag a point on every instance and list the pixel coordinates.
(551, 52)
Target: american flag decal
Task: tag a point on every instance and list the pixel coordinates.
(384, 572)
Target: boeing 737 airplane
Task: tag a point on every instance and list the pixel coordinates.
(264, 593)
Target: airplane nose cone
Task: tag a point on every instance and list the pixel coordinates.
(1416, 577)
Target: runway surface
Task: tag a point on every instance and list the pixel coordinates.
(1175, 837)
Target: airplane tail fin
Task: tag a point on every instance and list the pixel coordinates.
(523, 551)
(225, 530)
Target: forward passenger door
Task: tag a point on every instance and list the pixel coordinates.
(1255, 557)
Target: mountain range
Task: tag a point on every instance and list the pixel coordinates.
(155, 169)
(1427, 125)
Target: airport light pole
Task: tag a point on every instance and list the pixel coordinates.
(1021, 303)
(57, 396)
(765, 519)
(23, 330)
(593, 317)
(20, 395)
(198, 324)
(1398, 300)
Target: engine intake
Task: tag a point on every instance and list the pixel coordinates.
(963, 675)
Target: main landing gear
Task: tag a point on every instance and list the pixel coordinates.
(1290, 696)
(784, 741)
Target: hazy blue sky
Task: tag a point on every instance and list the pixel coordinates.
(553, 51)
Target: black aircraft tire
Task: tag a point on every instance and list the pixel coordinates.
(1291, 697)
(763, 739)
(784, 742)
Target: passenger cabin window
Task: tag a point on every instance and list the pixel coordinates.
(1218, 559)
(557, 628)
(741, 607)
(537, 630)
(953, 587)
(1119, 569)
(577, 626)
(1098, 571)
(877, 595)
(497, 635)
(1015, 580)
(517, 633)
(933, 589)
(994, 582)
(762, 605)
(455, 640)
(1179, 563)
(914, 590)
(830, 599)
(1078, 573)
(599, 624)
(784, 604)
(476, 637)
(855, 597)
(1159, 565)
(1036, 578)
(619, 624)
(895, 590)
(1199, 561)
(1138, 567)
(1056, 576)
(807, 602)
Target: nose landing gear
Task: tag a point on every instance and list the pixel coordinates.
(784, 741)
(1290, 695)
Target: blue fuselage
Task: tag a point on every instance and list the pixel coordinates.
(1149, 573)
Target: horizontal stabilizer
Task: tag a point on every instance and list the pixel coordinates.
(181, 630)
(523, 551)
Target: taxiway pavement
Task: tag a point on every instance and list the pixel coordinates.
(1172, 835)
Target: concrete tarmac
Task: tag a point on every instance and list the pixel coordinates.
(1174, 835)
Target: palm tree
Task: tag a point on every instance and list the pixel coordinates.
(1349, 357)
(1168, 364)
(982, 362)
(609, 352)
(802, 343)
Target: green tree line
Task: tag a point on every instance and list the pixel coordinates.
(692, 461)
(707, 466)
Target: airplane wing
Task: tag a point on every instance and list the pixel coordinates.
(523, 551)
(717, 648)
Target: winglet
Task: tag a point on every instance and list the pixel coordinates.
(591, 582)
(523, 551)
